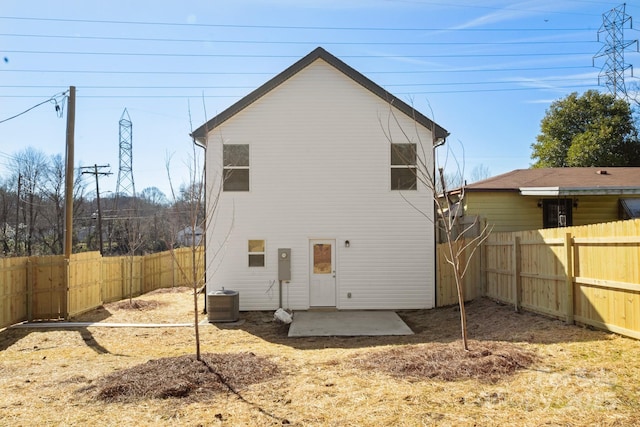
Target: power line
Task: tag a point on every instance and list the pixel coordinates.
(304, 43)
(383, 38)
(237, 96)
(290, 27)
(459, 83)
(52, 99)
(272, 56)
(517, 89)
(263, 73)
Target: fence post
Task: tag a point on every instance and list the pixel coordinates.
(173, 268)
(568, 262)
(123, 278)
(67, 288)
(29, 290)
(483, 260)
(143, 285)
(517, 280)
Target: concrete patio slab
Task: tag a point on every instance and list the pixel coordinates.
(347, 323)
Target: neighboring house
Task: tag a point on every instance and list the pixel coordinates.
(528, 199)
(187, 237)
(307, 168)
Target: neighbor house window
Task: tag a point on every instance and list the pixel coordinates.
(403, 167)
(256, 253)
(235, 158)
(557, 213)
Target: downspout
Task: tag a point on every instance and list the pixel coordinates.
(204, 246)
(438, 143)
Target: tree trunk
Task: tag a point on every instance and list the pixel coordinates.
(194, 271)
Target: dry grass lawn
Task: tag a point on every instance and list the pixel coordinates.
(523, 370)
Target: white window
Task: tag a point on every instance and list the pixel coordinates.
(256, 253)
(403, 167)
(235, 158)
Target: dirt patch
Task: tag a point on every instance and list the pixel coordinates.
(174, 290)
(137, 304)
(486, 361)
(147, 375)
(184, 377)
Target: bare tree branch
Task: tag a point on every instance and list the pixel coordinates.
(447, 212)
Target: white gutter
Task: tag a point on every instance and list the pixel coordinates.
(577, 191)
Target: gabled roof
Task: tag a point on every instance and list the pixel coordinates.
(564, 181)
(318, 53)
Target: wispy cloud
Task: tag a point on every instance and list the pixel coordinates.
(511, 12)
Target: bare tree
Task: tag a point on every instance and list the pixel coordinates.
(195, 208)
(478, 173)
(32, 204)
(8, 201)
(420, 158)
(190, 217)
(154, 196)
(29, 168)
(51, 228)
(52, 231)
(135, 240)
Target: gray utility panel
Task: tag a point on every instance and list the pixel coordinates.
(284, 264)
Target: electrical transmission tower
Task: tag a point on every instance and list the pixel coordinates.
(614, 69)
(125, 186)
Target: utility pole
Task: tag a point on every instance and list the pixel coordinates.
(68, 198)
(97, 173)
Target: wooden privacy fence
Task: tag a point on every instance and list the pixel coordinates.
(49, 287)
(589, 274)
(446, 291)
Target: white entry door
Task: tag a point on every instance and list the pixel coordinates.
(322, 274)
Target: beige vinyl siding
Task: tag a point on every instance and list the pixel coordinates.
(320, 169)
(505, 211)
(510, 211)
(595, 209)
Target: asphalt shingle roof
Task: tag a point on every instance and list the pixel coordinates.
(567, 178)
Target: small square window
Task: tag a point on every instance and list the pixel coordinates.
(256, 250)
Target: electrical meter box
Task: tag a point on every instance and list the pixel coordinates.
(284, 264)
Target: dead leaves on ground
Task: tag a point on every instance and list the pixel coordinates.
(486, 361)
(185, 377)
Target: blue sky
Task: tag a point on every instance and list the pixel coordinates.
(484, 70)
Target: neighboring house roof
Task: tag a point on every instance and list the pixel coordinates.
(318, 53)
(564, 181)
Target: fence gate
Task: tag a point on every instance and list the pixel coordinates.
(47, 297)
